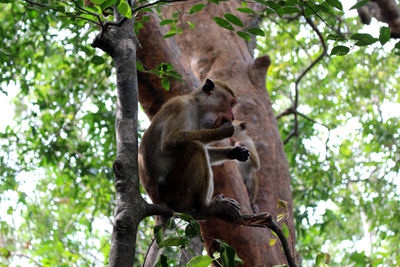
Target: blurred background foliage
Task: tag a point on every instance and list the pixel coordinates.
(58, 142)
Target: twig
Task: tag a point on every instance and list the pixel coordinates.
(68, 14)
(122, 21)
(293, 108)
(88, 12)
(36, 4)
(316, 13)
(266, 220)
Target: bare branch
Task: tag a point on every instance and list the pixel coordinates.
(293, 108)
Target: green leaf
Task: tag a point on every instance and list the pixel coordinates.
(272, 242)
(158, 233)
(397, 45)
(246, 10)
(97, 2)
(360, 4)
(124, 9)
(185, 217)
(384, 35)
(308, 12)
(166, 22)
(170, 34)
(233, 19)
(223, 23)
(173, 242)
(291, 10)
(340, 50)
(319, 259)
(139, 66)
(363, 39)
(196, 8)
(165, 83)
(228, 255)
(335, 3)
(107, 4)
(97, 60)
(277, 8)
(244, 35)
(285, 230)
(256, 31)
(191, 25)
(192, 229)
(200, 261)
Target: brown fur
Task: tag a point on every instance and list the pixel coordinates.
(248, 169)
(174, 159)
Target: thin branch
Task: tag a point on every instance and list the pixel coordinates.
(68, 14)
(36, 4)
(316, 13)
(266, 220)
(293, 108)
(122, 21)
(22, 255)
(155, 3)
(88, 12)
(262, 220)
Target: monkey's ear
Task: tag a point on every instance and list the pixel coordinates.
(208, 86)
(243, 125)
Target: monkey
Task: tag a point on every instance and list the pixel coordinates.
(175, 158)
(248, 169)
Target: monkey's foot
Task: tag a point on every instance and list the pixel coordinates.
(225, 208)
(240, 153)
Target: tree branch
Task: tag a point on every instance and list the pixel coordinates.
(293, 108)
(266, 220)
(122, 21)
(316, 13)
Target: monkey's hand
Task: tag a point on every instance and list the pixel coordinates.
(240, 153)
(227, 129)
(225, 208)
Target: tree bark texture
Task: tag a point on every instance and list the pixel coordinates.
(130, 208)
(209, 51)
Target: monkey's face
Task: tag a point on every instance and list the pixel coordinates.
(224, 109)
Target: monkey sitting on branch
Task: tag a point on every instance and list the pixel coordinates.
(175, 158)
(248, 169)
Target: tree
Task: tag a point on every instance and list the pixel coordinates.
(64, 133)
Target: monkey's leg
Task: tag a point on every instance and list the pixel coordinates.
(220, 154)
(191, 186)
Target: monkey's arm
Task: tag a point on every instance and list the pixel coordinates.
(180, 138)
(220, 154)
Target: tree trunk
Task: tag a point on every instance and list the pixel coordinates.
(209, 51)
(120, 43)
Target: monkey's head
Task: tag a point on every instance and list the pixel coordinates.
(217, 99)
(240, 131)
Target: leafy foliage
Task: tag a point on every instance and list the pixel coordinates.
(56, 184)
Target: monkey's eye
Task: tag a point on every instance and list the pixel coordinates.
(232, 103)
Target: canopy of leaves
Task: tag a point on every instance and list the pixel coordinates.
(56, 189)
